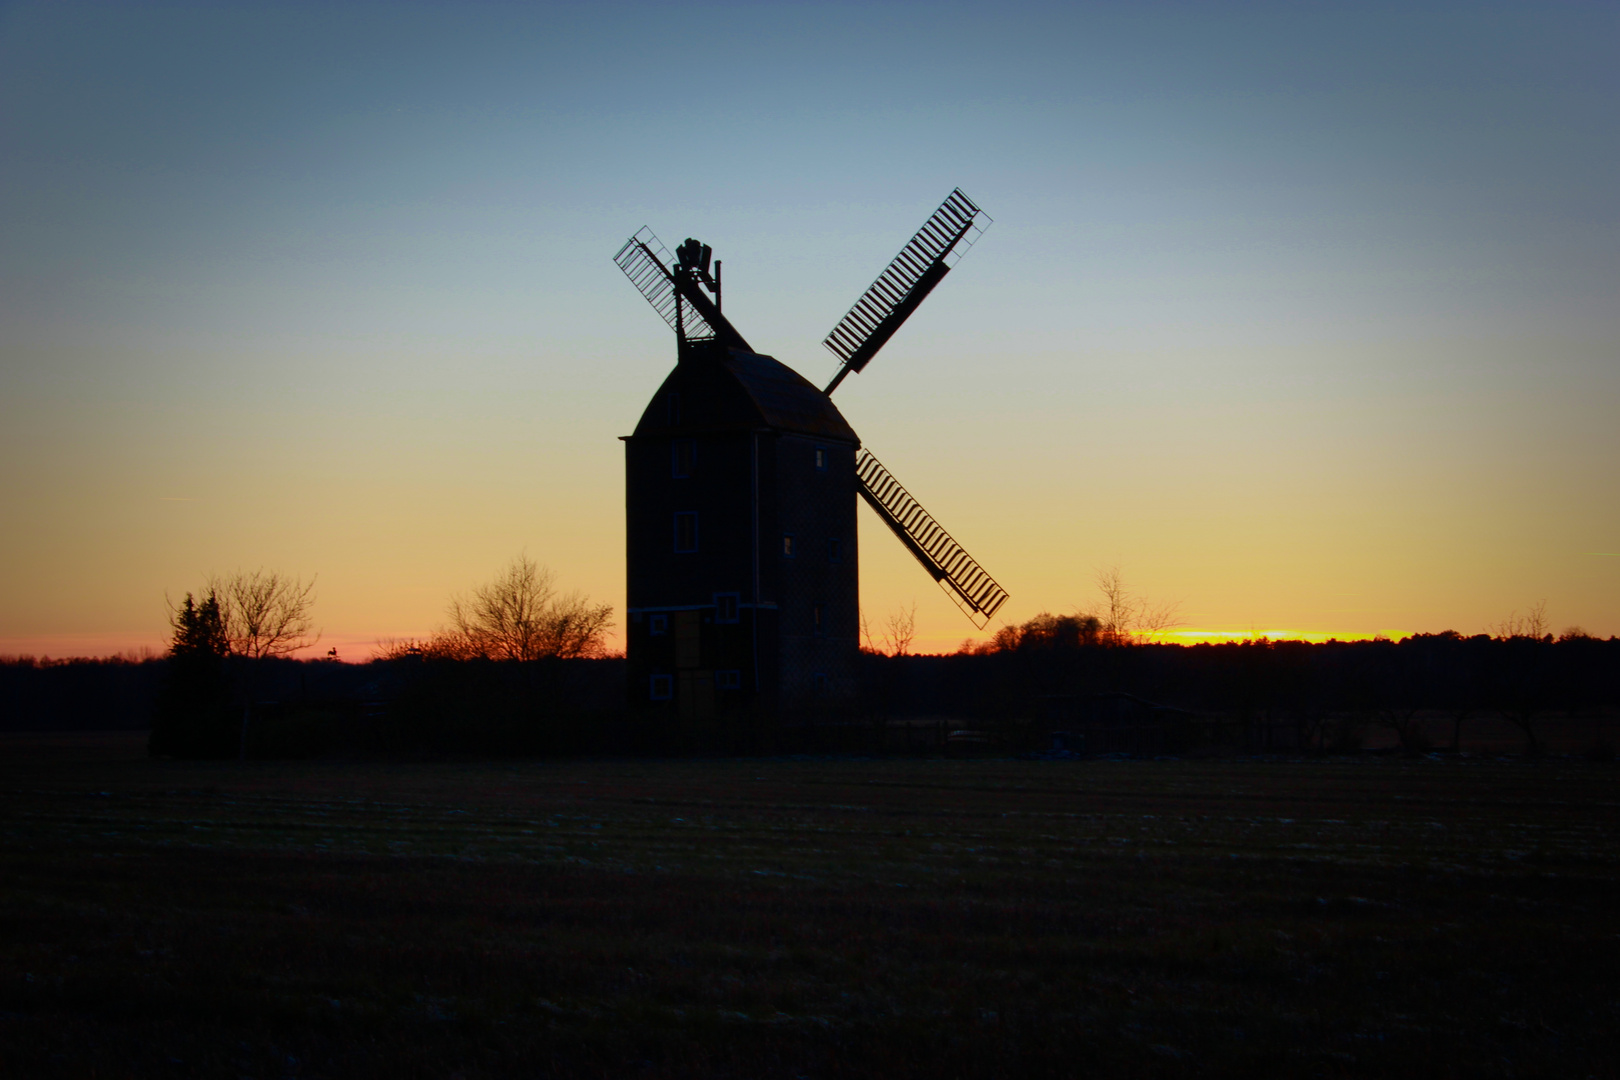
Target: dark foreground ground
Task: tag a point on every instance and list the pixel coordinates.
(804, 918)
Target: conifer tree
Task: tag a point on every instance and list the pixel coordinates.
(191, 717)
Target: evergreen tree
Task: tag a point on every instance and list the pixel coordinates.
(192, 716)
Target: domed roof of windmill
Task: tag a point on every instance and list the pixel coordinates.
(723, 389)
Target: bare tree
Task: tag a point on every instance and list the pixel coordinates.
(578, 627)
(867, 644)
(901, 629)
(1118, 607)
(1520, 671)
(266, 614)
(1155, 619)
(521, 616)
(1126, 618)
(1532, 624)
(442, 645)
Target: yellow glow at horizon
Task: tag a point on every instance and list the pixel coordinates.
(1194, 637)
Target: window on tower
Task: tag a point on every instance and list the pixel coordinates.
(728, 680)
(686, 536)
(683, 457)
(725, 607)
(662, 688)
(819, 615)
(835, 550)
(658, 624)
(787, 545)
(821, 459)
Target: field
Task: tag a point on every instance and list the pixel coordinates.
(817, 918)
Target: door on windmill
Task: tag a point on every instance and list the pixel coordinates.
(695, 695)
(688, 639)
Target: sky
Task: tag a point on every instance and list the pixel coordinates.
(1303, 316)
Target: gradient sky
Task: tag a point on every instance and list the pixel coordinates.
(1305, 316)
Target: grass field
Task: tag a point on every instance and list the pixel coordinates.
(813, 918)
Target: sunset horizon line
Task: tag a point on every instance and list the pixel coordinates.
(361, 648)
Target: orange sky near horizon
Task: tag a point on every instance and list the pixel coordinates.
(362, 649)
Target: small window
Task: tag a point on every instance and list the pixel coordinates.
(663, 688)
(787, 546)
(658, 624)
(686, 538)
(683, 457)
(725, 607)
(835, 550)
(674, 407)
(819, 614)
(728, 680)
(821, 459)
(819, 680)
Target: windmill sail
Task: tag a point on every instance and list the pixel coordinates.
(673, 293)
(963, 579)
(928, 257)
(645, 261)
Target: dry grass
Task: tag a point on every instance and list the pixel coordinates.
(803, 918)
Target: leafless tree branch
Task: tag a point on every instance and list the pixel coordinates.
(1531, 624)
(266, 613)
(520, 616)
(901, 629)
(1126, 618)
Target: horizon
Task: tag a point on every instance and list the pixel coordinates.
(350, 652)
(1302, 319)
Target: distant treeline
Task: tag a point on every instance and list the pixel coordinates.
(78, 695)
(297, 708)
(1318, 693)
(1313, 693)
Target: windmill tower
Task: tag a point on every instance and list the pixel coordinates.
(741, 482)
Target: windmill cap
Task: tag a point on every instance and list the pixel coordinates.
(730, 390)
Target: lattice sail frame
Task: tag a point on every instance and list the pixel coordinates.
(962, 578)
(646, 262)
(938, 246)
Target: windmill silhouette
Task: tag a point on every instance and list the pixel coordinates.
(741, 479)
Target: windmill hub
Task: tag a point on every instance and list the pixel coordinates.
(741, 481)
(694, 255)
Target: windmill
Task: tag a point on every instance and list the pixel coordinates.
(742, 584)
